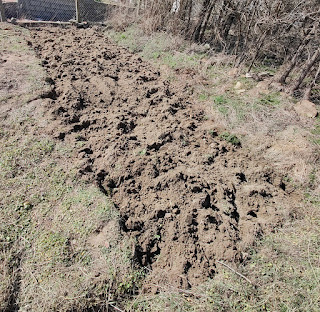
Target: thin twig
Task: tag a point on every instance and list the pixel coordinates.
(179, 290)
(234, 271)
(111, 305)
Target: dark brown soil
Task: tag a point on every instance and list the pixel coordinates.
(188, 197)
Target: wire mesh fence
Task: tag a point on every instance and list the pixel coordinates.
(47, 10)
(63, 10)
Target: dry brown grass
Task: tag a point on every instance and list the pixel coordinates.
(50, 259)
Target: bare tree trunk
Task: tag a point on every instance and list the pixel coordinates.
(305, 71)
(2, 13)
(206, 22)
(189, 16)
(138, 8)
(307, 93)
(258, 50)
(198, 28)
(286, 73)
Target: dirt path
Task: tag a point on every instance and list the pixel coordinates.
(188, 197)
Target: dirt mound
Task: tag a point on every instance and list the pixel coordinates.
(188, 197)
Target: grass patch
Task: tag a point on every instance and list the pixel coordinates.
(60, 243)
(272, 100)
(31, 78)
(180, 60)
(203, 97)
(157, 48)
(231, 138)
(316, 132)
(233, 106)
(47, 220)
(13, 42)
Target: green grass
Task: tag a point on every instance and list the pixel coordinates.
(157, 48)
(241, 107)
(316, 132)
(229, 104)
(203, 97)
(180, 60)
(231, 138)
(271, 99)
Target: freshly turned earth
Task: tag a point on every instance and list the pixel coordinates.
(188, 197)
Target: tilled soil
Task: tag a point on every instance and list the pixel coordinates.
(188, 197)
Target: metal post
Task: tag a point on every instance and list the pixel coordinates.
(2, 13)
(77, 11)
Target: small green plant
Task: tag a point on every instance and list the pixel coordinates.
(231, 138)
(221, 103)
(220, 99)
(131, 282)
(271, 99)
(213, 133)
(313, 177)
(203, 97)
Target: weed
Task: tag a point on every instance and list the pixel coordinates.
(131, 282)
(313, 177)
(271, 99)
(231, 138)
(213, 133)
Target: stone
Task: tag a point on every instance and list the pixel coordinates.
(277, 86)
(238, 86)
(240, 91)
(263, 87)
(234, 72)
(306, 108)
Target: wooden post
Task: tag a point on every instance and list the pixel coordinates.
(138, 8)
(2, 13)
(77, 11)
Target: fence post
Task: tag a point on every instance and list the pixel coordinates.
(2, 13)
(77, 11)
